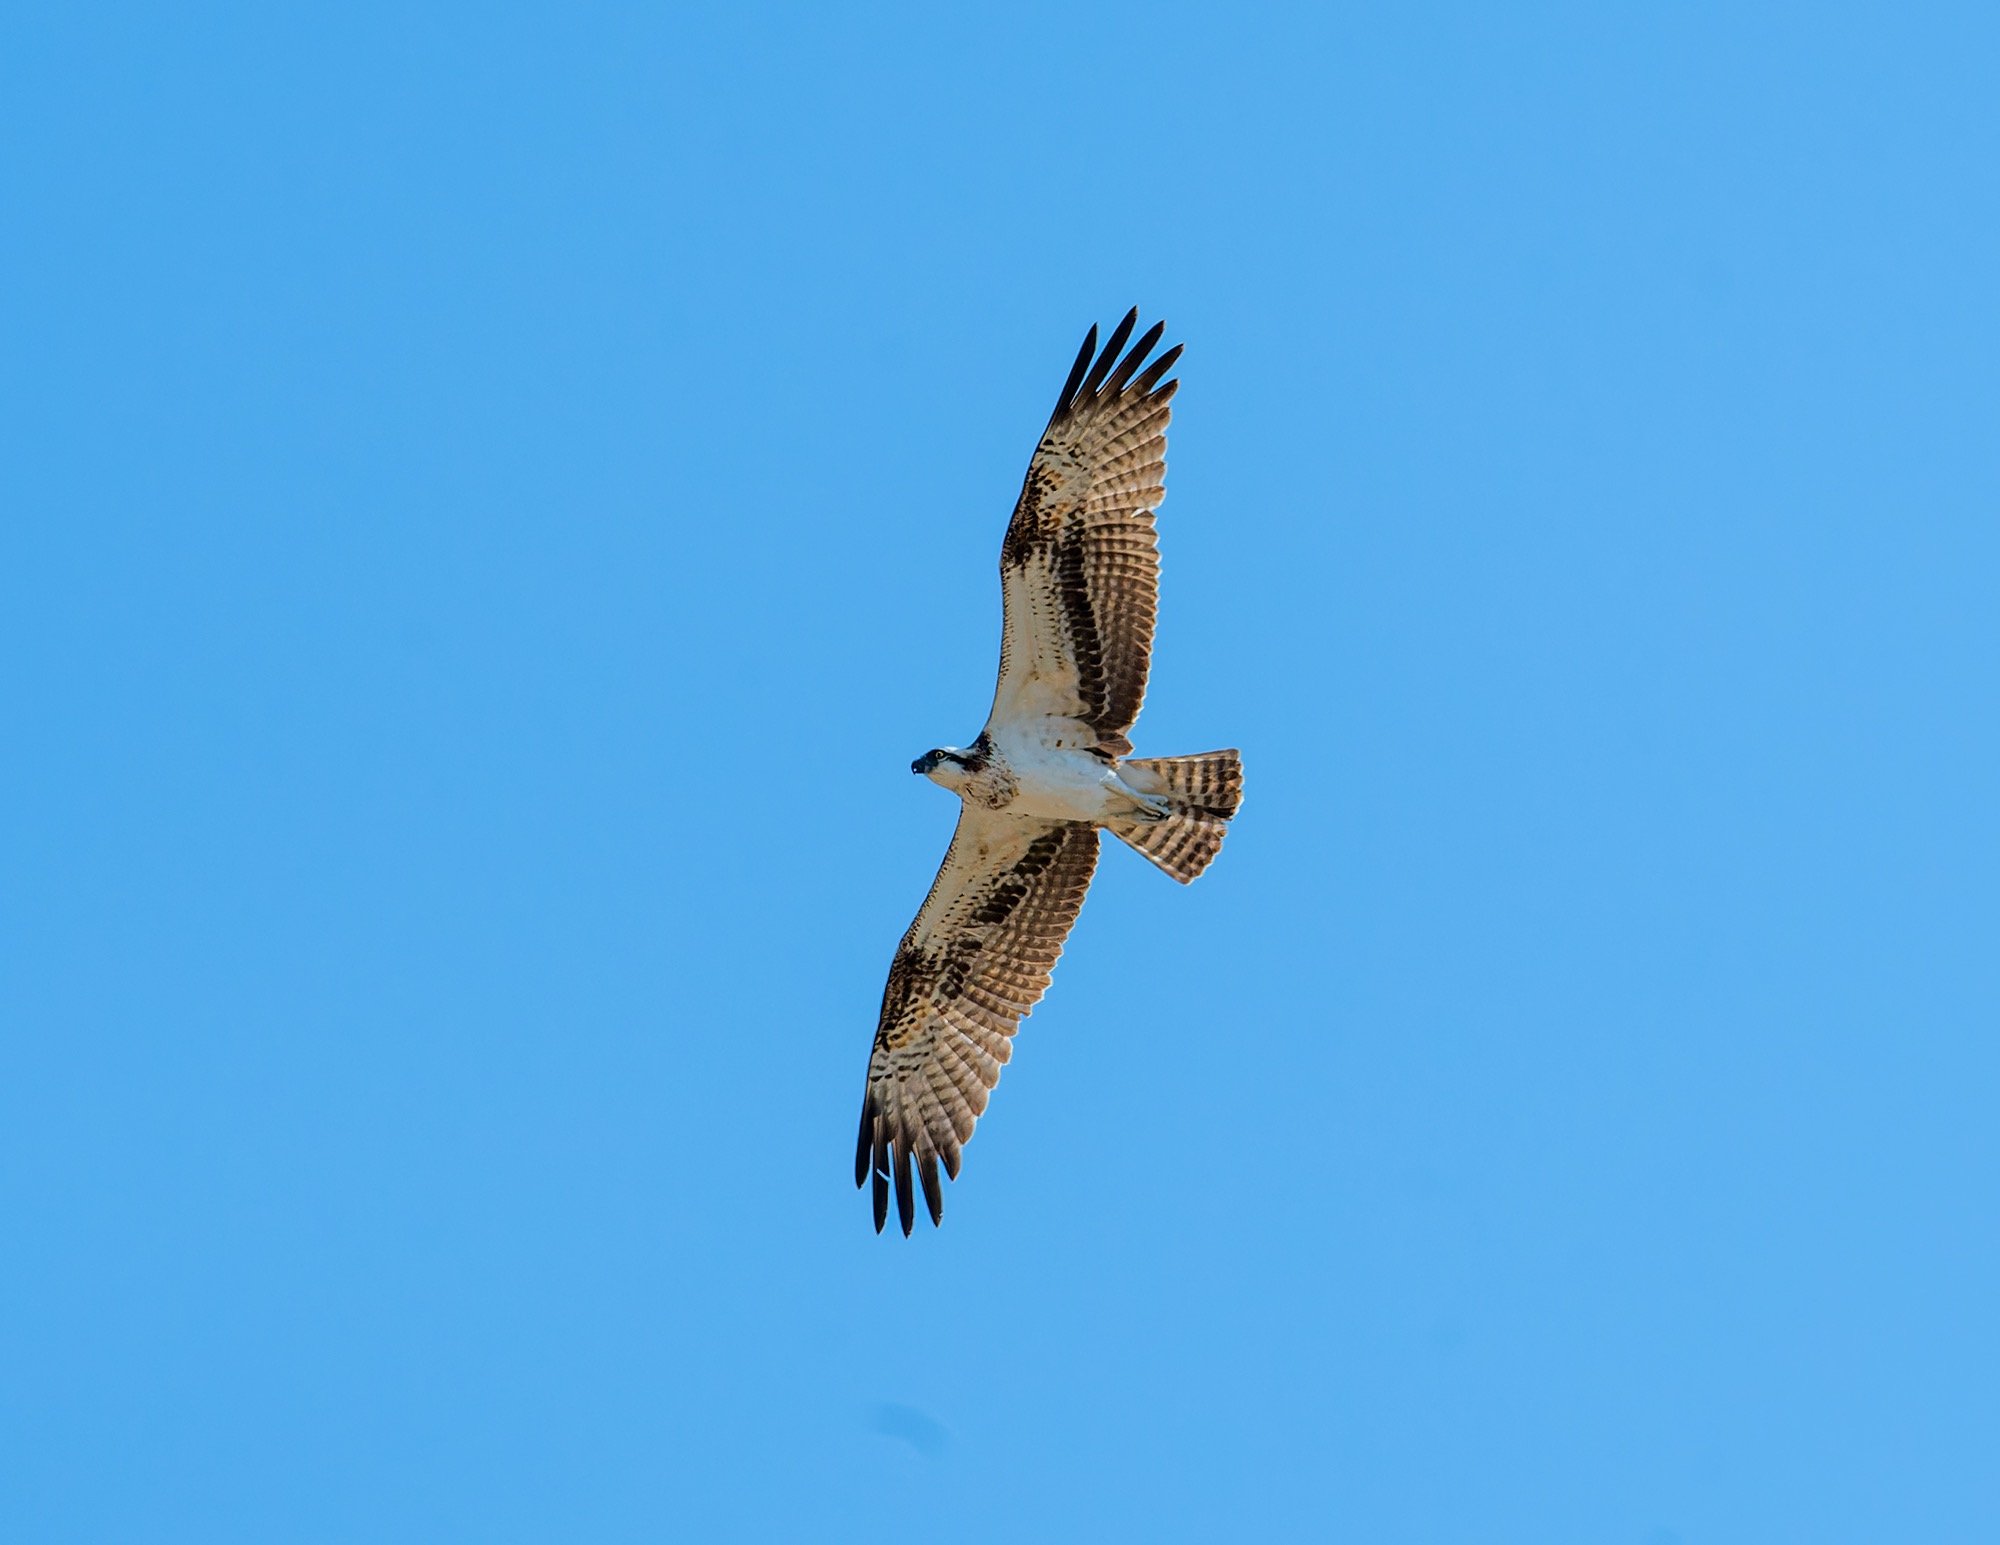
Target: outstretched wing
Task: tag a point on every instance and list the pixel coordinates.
(975, 960)
(1080, 566)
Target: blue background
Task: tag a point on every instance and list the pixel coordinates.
(494, 499)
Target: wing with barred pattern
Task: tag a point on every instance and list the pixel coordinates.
(1080, 565)
(977, 958)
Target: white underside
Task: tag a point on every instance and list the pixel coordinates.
(1062, 784)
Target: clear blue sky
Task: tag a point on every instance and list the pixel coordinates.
(495, 498)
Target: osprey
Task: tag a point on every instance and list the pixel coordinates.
(1079, 575)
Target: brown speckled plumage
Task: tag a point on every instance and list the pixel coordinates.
(1079, 572)
(1080, 565)
(977, 958)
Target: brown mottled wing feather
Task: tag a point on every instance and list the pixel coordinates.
(1080, 565)
(976, 959)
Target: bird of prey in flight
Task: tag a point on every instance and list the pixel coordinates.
(1079, 575)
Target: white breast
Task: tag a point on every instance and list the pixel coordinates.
(1060, 784)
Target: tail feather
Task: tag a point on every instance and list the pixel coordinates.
(1202, 794)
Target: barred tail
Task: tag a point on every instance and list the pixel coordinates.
(1201, 793)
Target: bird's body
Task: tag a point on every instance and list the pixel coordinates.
(1079, 575)
(1026, 773)
(1058, 783)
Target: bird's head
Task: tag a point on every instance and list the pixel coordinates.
(945, 766)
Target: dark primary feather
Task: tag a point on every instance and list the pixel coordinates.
(1083, 358)
(927, 1171)
(1094, 382)
(906, 1213)
(1139, 351)
(1158, 368)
